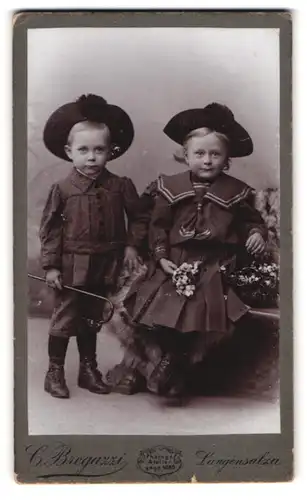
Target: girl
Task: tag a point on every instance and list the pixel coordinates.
(201, 216)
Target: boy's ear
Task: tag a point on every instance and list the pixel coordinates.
(111, 146)
(67, 149)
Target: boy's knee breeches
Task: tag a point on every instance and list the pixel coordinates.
(76, 314)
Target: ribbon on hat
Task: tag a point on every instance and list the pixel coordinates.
(220, 116)
(93, 107)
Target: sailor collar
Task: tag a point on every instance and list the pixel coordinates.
(226, 190)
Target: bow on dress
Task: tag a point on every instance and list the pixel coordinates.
(195, 225)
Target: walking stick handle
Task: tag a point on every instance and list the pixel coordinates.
(83, 292)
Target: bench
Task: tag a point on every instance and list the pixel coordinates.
(272, 314)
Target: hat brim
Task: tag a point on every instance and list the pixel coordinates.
(184, 122)
(60, 123)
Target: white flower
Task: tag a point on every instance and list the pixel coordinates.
(190, 287)
(184, 266)
(196, 265)
(195, 268)
(183, 278)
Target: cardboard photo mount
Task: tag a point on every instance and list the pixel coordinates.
(151, 458)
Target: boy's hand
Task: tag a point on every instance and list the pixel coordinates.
(131, 259)
(255, 244)
(168, 266)
(54, 278)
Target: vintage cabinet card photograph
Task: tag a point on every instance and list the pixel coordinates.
(153, 252)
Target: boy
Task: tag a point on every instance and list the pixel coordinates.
(83, 234)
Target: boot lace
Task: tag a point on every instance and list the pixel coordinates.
(57, 374)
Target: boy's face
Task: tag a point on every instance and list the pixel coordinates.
(89, 150)
(206, 156)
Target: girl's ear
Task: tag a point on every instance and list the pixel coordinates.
(227, 164)
(185, 155)
(180, 156)
(68, 151)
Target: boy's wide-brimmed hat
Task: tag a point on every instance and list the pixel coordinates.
(91, 108)
(216, 117)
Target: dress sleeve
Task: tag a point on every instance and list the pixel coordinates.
(249, 220)
(160, 225)
(137, 222)
(145, 209)
(50, 232)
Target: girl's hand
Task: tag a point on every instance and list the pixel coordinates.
(255, 244)
(168, 266)
(54, 278)
(131, 259)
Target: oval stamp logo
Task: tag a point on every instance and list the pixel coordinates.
(160, 460)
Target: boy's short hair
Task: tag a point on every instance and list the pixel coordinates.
(86, 125)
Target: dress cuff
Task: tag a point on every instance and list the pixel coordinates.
(160, 252)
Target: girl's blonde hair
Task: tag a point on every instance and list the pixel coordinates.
(202, 132)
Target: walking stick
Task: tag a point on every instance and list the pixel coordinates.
(83, 292)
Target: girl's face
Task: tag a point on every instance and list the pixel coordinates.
(89, 150)
(206, 156)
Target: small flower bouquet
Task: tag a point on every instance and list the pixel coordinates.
(256, 284)
(184, 278)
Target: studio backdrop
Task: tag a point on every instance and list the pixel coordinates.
(153, 73)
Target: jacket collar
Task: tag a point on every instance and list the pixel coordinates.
(226, 191)
(84, 183)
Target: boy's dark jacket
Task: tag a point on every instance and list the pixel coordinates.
(83, 219)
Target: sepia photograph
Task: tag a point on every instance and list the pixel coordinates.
(153, 231)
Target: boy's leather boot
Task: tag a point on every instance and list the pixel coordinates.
(55, 382)
(90, 377)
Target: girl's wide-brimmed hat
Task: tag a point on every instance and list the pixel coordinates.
(91, 108)
(216, 117)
